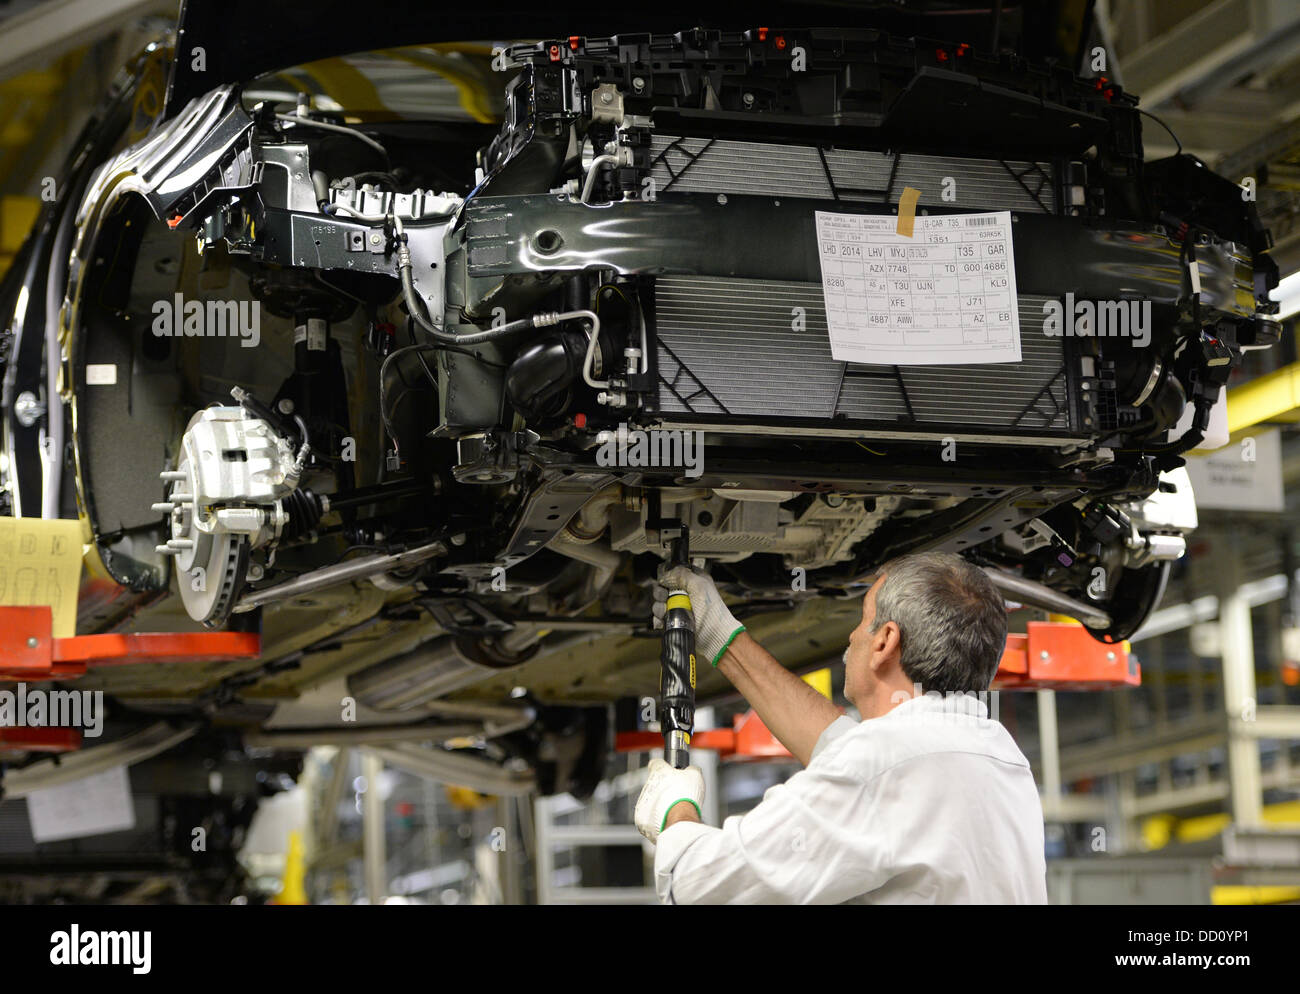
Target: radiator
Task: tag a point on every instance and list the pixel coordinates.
(727, 352)
(701, 165)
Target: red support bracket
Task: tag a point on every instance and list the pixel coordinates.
(29, 651)
(39, 739)
(1058, 655)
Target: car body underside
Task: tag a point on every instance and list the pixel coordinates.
(429, 397)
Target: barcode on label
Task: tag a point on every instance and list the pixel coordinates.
(975, 222)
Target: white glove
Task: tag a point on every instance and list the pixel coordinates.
(715, 626)
(663, 788)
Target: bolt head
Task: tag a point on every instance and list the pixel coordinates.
(33, 642)
(1044, 655)
(28, 408)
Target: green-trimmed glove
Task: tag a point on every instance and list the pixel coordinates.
(665, 787)
(715, 626)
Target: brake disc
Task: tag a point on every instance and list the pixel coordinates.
(210, 569)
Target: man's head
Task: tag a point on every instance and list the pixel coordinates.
(932, 620)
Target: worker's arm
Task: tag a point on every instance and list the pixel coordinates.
(794, 712)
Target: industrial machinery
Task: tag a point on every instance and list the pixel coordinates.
(410, 392)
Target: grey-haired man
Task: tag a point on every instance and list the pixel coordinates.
(926, 800)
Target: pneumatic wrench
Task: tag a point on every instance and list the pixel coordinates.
(677, 667)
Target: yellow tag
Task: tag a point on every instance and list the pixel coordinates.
(692, 671)
(40, 564)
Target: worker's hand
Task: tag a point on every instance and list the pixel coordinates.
(715, 626)
(664, 788)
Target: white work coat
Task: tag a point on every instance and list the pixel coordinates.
(930, 803)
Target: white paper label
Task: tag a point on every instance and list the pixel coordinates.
(317, 339)
(90, 806)
(101, 374)
(1244, 476)
(947, 295)
(313, 333)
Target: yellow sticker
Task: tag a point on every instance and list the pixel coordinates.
(692, 671)
(40, 564)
